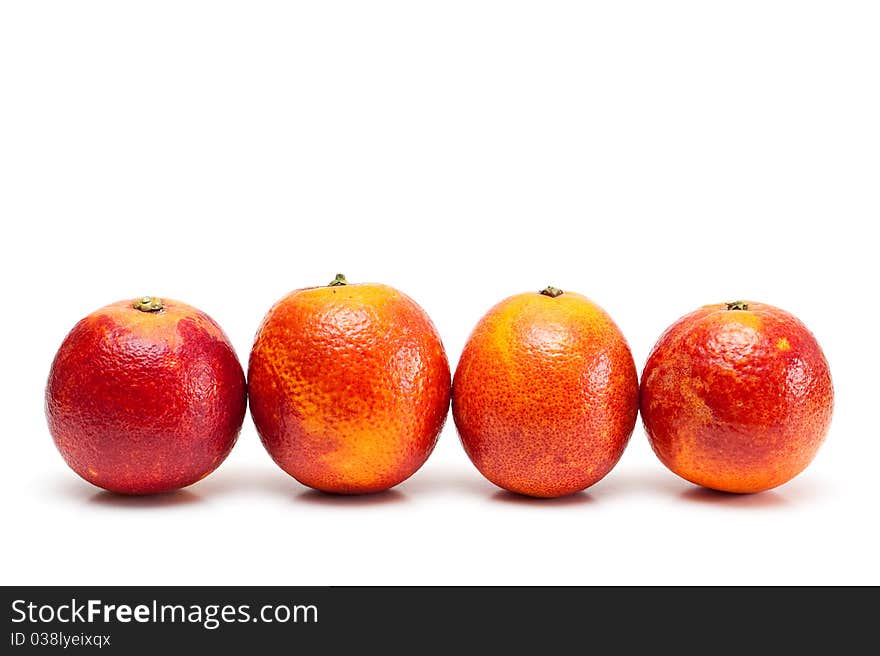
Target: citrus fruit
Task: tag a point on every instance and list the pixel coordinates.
(145, 396)
(737, 397)
(349, 386)
(545, 395)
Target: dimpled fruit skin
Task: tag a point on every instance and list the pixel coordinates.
(737, 400)
(140, 403)
(349, 387)
(545, 395)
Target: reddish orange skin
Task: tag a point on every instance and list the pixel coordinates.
(145, 402)
(737, 400)
(349, 387)
(545, 395)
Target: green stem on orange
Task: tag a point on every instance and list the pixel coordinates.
(148, 304)
(551, 291)
(738, 305)
(338, 281)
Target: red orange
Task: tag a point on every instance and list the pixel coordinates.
(545, 395)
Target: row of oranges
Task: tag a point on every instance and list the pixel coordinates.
(349, 387)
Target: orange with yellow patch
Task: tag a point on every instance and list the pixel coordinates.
(349, 386)
(545, 395)
(737, 397)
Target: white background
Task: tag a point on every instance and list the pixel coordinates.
(653, 156)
